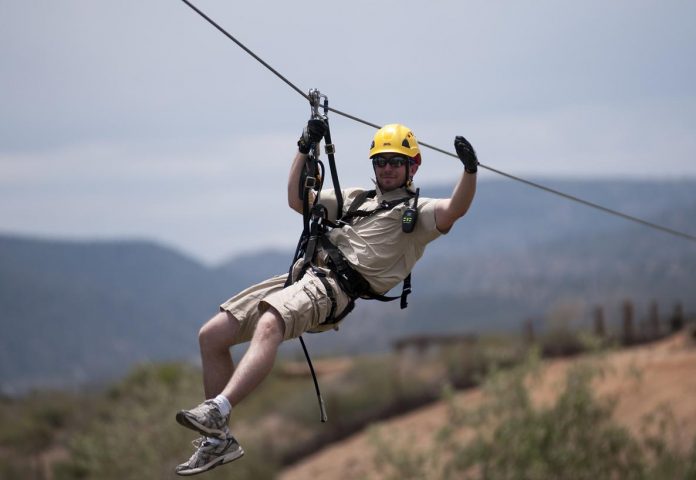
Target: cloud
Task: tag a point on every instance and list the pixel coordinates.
(140, 119)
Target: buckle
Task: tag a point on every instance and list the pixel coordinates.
(310, 182)
(330, 149)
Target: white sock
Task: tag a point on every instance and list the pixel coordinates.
(223, 405)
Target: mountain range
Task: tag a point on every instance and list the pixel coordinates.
(81, 312)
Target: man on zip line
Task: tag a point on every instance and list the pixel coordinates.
(372, 246)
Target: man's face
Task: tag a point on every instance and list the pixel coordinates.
(391, 171)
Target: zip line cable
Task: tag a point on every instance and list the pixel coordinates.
(577, 199)
(243, 47)
(440, 150)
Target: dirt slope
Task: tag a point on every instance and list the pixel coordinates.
(642, 378)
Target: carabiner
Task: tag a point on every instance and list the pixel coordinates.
(314, 102)
(315, 97)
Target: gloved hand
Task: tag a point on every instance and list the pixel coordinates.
(466, 154)
(312, 134)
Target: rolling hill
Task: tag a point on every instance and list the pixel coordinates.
(642, 381)
(80, 312)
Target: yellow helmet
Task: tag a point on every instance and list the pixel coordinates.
(396, 138)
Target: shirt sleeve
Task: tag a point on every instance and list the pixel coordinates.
(426, 228)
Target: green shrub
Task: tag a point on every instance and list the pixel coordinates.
(30, 424)
(134, 436)
(575, 438)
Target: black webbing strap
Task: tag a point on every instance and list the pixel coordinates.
(314, 226)
(353, 212)
(332, 165)
(315, 230)
(332, 318)
(357, 203)
(405, 291)
(329, 292)
(352, 282)
(312, 165)
(312, 230)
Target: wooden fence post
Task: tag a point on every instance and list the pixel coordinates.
(599, 328)
(528, 332)
(628, 332)
(654, 321)
(677, 320)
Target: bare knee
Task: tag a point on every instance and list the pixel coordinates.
(270, 327)
(219, 331)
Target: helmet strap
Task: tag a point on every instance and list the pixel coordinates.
(409, 177)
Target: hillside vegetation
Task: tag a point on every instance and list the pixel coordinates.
(625, 414)
(128, 432)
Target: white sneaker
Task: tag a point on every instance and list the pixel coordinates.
(206, 419)
(209, 455)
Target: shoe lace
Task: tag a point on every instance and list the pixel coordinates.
(197, 443)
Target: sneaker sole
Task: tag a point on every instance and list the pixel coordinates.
(188, 422)
(230, 457)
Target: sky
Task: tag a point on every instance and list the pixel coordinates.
(139, 120)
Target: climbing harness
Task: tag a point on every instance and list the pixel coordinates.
(316, 226)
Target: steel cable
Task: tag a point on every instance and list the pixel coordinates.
(440, 150)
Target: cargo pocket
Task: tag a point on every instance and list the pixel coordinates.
(320, 304)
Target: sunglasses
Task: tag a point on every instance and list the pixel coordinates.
(395, 161)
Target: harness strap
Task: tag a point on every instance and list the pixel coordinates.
(357, 203)
(329, 291)
(316, 229)
(352, 282)
(353, 212)
(332, 318)
(406, 291)
(305, 242)
(332, 163)
(315, 221)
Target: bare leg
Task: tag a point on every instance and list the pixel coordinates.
(215, 339)
(258, 360)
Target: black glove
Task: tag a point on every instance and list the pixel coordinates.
(466, 154)
(311, 135)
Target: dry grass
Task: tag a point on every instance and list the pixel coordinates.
(642, 380)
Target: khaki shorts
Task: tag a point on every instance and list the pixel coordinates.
(303, 306)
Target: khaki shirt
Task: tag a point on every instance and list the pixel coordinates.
(376, 246)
